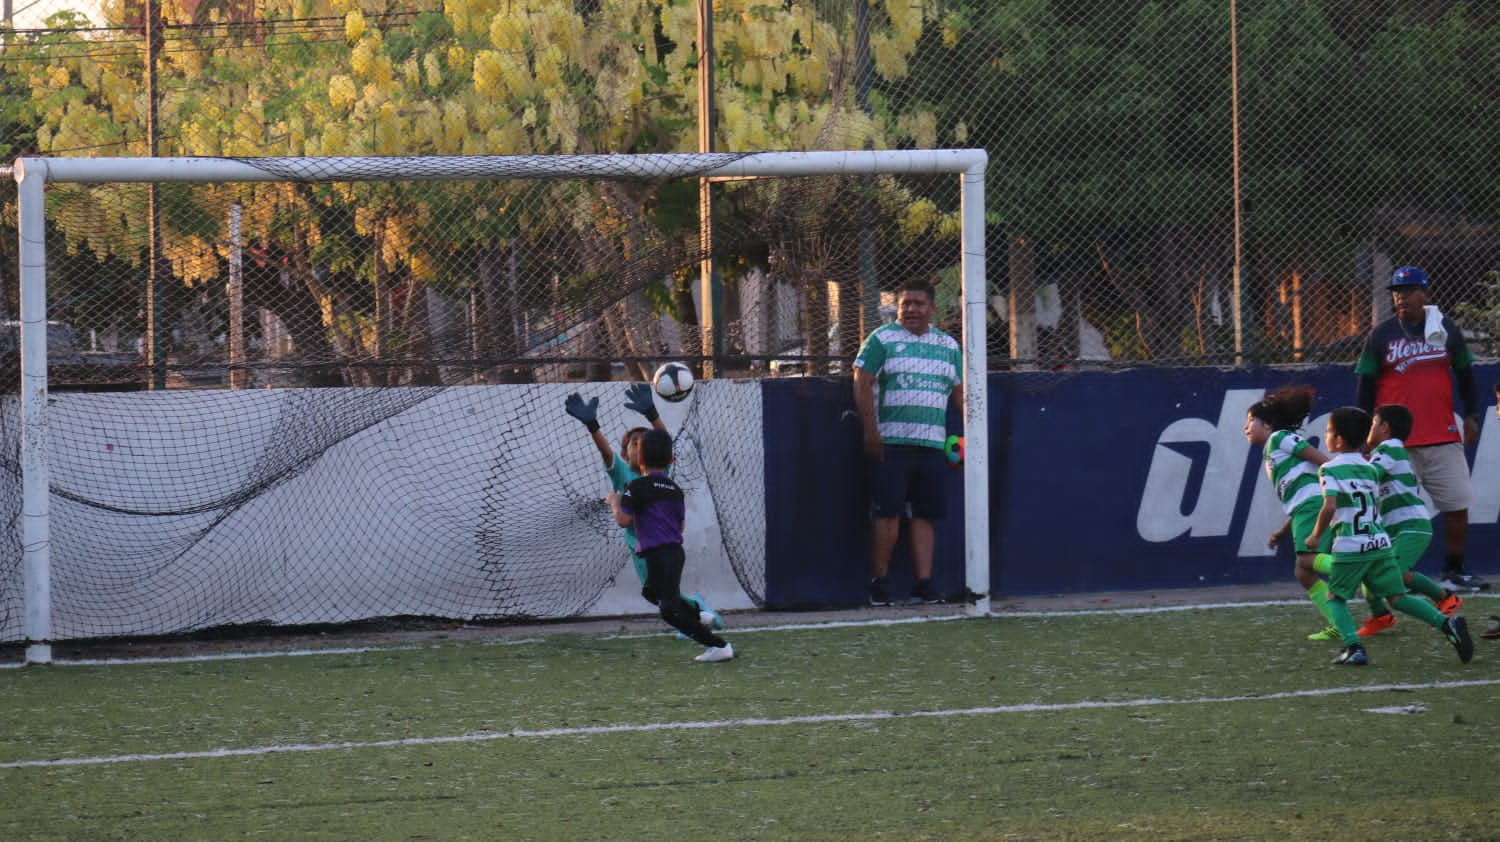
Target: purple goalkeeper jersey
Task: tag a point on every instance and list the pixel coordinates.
(657, 505)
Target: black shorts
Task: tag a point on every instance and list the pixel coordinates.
(910, 482)
(663, 572)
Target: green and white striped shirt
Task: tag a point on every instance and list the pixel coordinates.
(1401, 505)
(1352, 483)
(1294, 478)
(914, 375)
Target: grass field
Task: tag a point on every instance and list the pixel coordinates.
(1192, 723)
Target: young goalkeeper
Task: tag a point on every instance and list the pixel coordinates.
(654, 505)
(1362, 553)
(1406, 517)
(622, 470)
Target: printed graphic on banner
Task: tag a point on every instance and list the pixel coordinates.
(1186, 493)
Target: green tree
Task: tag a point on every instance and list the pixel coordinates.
(461, 78)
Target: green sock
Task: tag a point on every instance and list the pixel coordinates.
(1338, 613)
(1421, 609)
(1323, 563)
(1426, 587)
(1319, 595)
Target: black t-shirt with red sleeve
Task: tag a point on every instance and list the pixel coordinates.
(1418, 375)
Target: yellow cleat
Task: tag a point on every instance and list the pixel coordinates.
(1329, 633)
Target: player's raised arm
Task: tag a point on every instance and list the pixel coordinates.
(587, 412)
(638, 398)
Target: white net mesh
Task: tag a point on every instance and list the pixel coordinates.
(434, 471)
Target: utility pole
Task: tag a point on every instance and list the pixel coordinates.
(1239, 221)
(156, 361)
(708, 287)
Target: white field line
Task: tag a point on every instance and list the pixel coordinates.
(735, 630)
(830, 624)
(726, 724)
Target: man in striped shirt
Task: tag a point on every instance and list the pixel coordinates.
(906, 375)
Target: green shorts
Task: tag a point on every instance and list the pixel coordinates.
(1409, 546)
(1304, 518)
(1377, 570)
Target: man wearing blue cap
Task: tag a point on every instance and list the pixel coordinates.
(1413, 359)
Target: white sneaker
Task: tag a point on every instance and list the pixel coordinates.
(716, 653)
(706, 614)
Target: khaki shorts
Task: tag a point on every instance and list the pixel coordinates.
(1444, 474)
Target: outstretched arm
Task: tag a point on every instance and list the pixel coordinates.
(587, 413)
(638, 398)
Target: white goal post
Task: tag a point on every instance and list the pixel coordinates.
(33, 174)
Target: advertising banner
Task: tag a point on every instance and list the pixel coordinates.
(1098, 481)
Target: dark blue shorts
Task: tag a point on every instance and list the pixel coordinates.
(910, 482)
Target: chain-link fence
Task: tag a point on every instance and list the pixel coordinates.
(1171, 183)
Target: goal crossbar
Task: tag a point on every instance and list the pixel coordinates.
(495, 167)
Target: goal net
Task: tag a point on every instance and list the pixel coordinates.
(318, 390)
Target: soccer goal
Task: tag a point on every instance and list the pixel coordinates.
(296, 391)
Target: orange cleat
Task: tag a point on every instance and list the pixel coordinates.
(1449, 605)
(1377, 623)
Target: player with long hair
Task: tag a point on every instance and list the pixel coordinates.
(1292, 466)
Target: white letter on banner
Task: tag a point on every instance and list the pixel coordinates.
(1160, 517)
(1486, 475)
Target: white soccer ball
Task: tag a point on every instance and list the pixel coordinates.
(673, 382)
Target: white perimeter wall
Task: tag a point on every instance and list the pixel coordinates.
(382, 522)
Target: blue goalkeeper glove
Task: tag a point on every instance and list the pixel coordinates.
(586, 411)
(638, 398)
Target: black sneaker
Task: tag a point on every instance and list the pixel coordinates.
(923, 593)
(1352, 656)
(1462, 582)
(880, 591)
(1456, 629)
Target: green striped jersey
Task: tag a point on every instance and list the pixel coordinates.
(914, 376)
(1401, 505)
(1352, 483)
(1294, 478)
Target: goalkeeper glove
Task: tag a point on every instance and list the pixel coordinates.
(638, 398)
(585, 411)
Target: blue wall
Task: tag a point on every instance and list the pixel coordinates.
(1098, 481)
